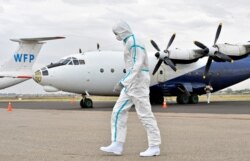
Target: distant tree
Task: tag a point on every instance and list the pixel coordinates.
(229, 90)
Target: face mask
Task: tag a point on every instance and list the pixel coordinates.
(118, 38)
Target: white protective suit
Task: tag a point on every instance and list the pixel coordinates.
(135, 89)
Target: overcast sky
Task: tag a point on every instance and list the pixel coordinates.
(86, 22)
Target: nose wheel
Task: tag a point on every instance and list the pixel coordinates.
(86, 102)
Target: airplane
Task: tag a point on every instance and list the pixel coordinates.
(19, 67)
(96, 72)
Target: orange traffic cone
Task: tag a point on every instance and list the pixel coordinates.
(164, 105)
(9, 107)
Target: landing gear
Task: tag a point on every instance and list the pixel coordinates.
(182, 99)
(186, 99)
(86, 102)
(193, 99)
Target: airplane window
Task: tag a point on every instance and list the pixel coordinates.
(124, 70)
(45, 72)
(112, 70)
(101, 70)
(76, 62)
(61, 61)
(66, 61)
(81, 61)
(70, 63)
(161, 72)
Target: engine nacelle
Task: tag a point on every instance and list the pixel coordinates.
(233, 50)
(180, 54)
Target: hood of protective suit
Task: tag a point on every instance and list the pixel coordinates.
(122, 30)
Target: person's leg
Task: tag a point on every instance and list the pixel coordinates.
(146, 116)
(119, 124)
(119, 118)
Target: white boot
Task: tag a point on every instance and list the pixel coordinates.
(151, 151)
(115, 148)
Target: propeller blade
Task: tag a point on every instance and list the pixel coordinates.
(200, 45)
(157, 66)
(217, 33)
(222, 56)
(209, 61)
(155, 45)
(169, 62)
(170, 42)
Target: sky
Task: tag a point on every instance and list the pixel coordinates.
(85, 23)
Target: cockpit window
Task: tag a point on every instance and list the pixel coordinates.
(68, 61)
(61, 61)
(76, 62)
(45, 72)
(81, 61)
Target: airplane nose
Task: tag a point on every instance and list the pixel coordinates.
(37, 76)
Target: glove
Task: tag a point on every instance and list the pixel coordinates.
(118, 87)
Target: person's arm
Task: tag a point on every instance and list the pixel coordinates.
(138, 56)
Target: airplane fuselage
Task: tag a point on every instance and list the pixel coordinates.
(102, 70)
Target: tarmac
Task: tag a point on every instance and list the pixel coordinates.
(61, 131)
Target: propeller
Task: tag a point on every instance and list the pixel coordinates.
(212, 53)
(162, 55)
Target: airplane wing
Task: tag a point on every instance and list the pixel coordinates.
(16, 75)
(19, 76)
(37, 39)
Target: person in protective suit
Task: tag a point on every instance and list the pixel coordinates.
(134, 90)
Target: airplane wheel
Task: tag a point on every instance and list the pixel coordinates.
(193, 99)
(86, 103)
(182, 99)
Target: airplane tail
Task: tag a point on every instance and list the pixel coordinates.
(23, 59)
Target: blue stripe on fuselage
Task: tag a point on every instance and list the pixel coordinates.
(221, 75)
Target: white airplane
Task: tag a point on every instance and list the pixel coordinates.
(19, 67)
(97, 72)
